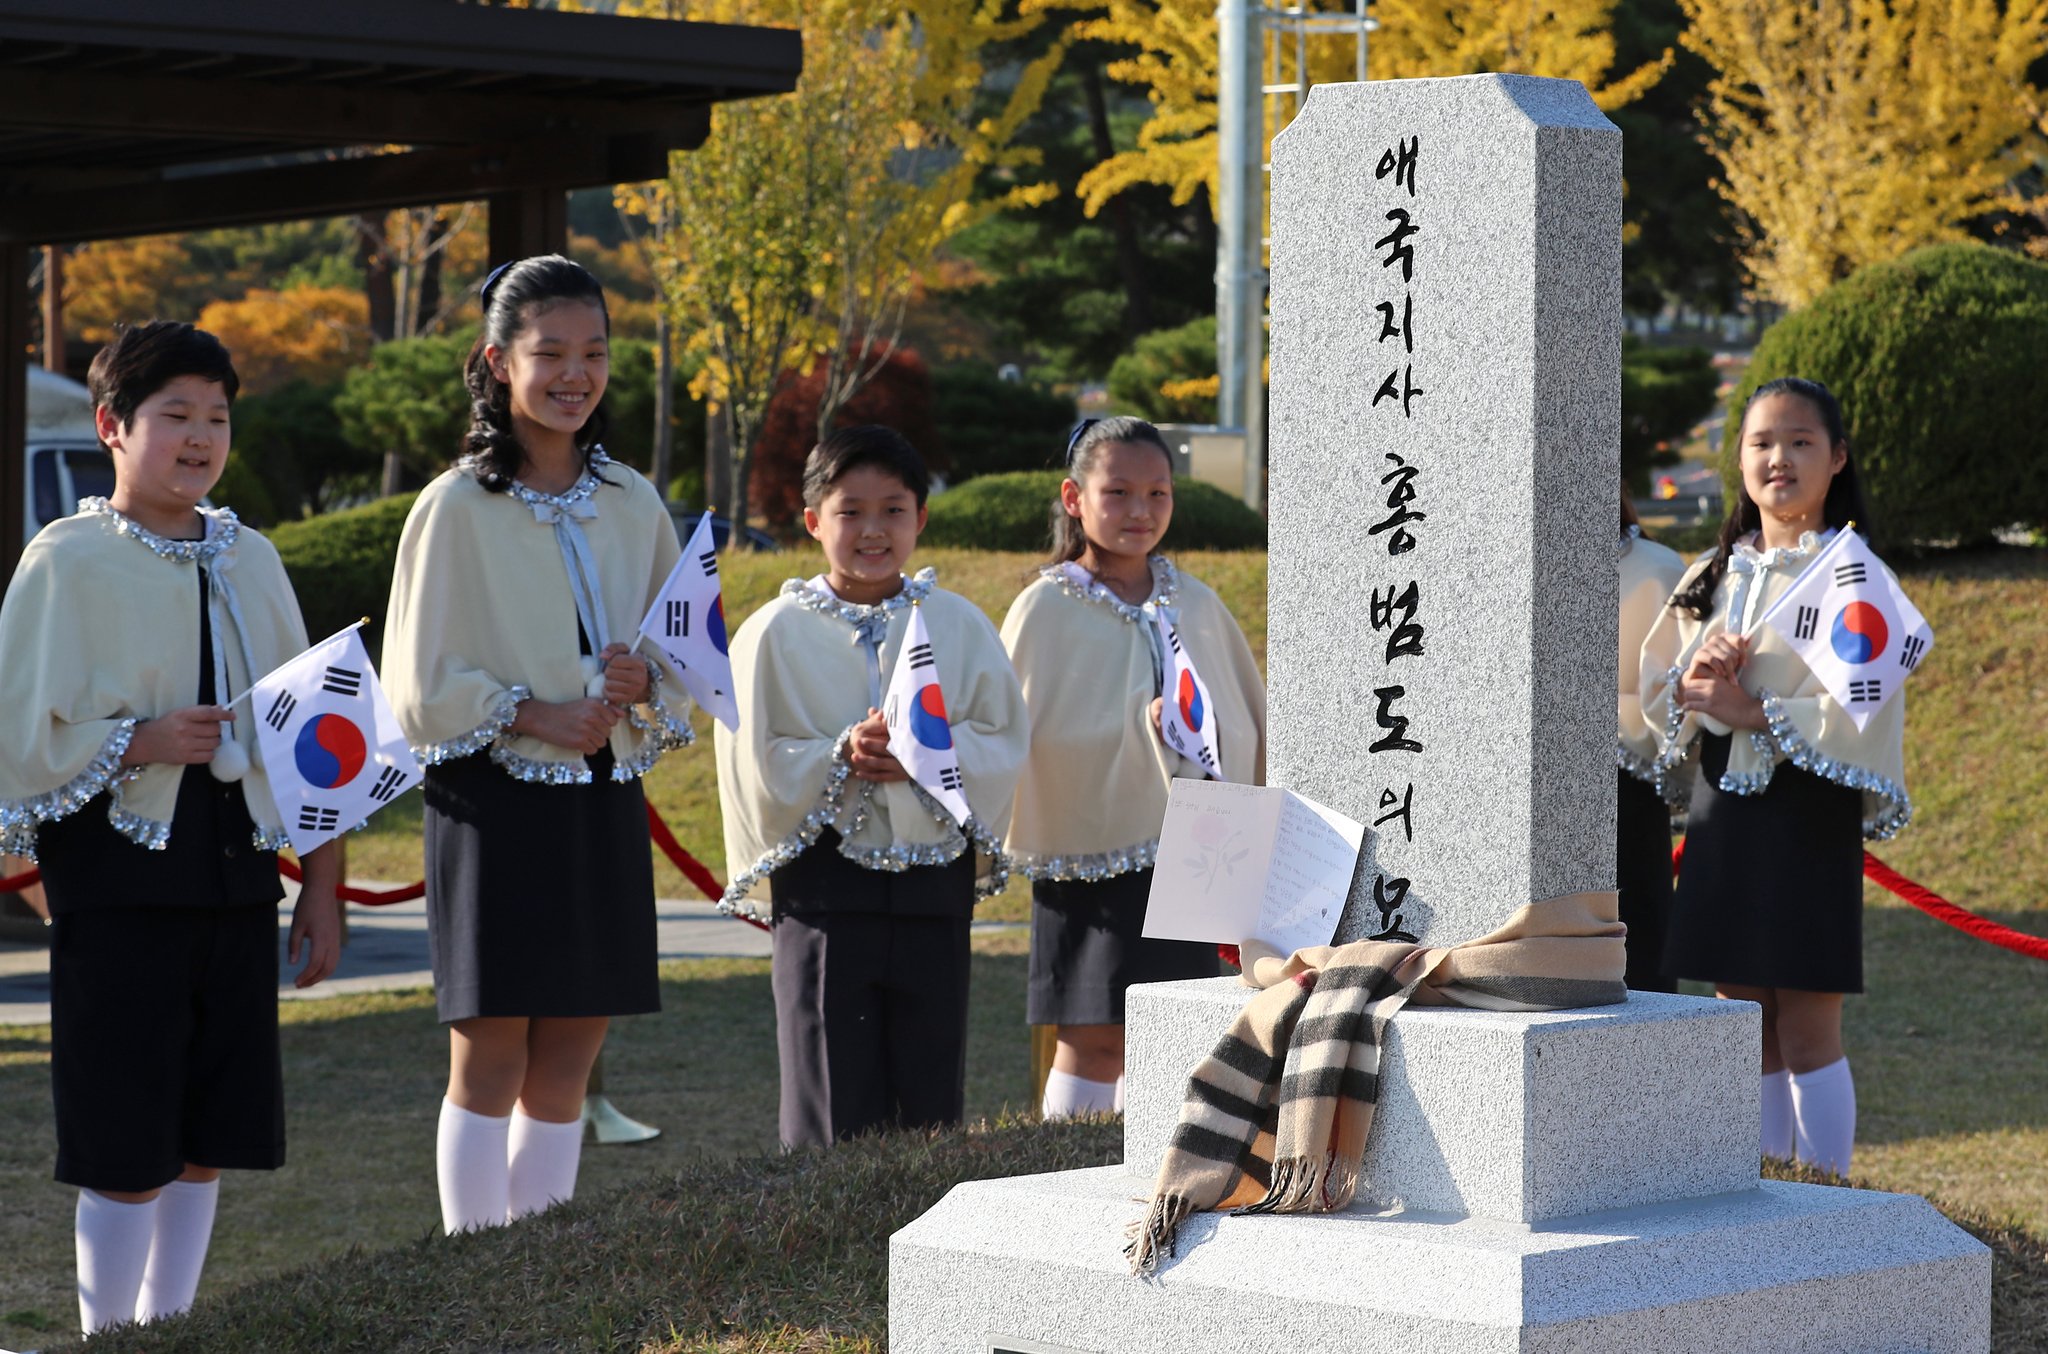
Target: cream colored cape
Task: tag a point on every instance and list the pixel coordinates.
(482, 617)
(1649, 575)
(1093, 794)
(802, 681)
(1806, 726)
(99, 632)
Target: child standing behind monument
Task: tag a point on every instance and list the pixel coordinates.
(522, 574)
(1770, 899)
(871, 882)
(1093, 795)
(128, 631)
(1649, 574)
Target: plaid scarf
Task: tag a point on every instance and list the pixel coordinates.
(1275, 1119)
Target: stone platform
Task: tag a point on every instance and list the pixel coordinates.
(1036, 1262)
(1519, 1117)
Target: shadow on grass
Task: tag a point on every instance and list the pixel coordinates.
(364, 1080)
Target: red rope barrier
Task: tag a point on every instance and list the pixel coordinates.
(1942, 910)
(1934, 905)
(26, 879)
(348, 893)
(692, 868)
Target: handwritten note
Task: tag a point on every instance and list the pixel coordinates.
(1238, 862)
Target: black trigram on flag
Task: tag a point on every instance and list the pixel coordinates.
(949, 777)
(1909, 653)
(1173, 637)
(342, 682)
(1809, 617)
(313, 818)
(389, 783)
(709, 561)
(1853, 572)
(280, 712)
(675, 619)
(921, 656)
(1865, 691)
(1206, 757)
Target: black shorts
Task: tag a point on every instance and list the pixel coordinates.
(163, 1045)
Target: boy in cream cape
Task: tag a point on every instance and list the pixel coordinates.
(872, 885)
(128, 630)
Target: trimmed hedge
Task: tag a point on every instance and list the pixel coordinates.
(1013, 512)
(1936, 358)
(341, 563)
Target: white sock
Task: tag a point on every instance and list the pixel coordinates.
(1067, 1095)
(1824, 1105)
(469, 1158)
(543, 1162)
(113, 1249)
(1777, 1106)
(177, 1250)
(1118, 1103)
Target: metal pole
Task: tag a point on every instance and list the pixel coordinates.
(1240, 231)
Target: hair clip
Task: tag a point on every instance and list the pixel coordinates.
(1074, 437)
(484, 293)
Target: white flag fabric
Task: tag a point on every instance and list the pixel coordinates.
(687, 622)
(1847, 619)
(920, 735)
(1186, 719)
(331, 746)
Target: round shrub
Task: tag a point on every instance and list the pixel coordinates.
(1936, 358)
(1012, 512)
(340, 565)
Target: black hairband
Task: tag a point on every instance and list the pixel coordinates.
(489, 282)
(1074, 437)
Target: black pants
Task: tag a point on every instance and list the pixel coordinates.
(1643, 873)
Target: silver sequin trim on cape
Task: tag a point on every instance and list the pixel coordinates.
(1165, 588)
(19, 818)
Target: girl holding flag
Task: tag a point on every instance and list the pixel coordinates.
(871, 870)
(1103, 639)
(521, 574)
(1782, 773)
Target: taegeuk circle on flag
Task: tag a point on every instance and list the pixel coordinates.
(330, 751)
(1859, 633)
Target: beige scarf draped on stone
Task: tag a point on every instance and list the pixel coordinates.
(1275, 1119)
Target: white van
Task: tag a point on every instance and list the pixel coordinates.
(65, 460)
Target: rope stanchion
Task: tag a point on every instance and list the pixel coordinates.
(1934, 905)
(27, 879)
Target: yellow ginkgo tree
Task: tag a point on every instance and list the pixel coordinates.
(1850, 131)
(797, 232)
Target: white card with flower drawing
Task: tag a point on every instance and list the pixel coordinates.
(1238, 862)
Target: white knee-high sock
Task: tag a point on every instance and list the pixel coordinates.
(113, 1250)
(1778, 1131)
(1118, 1103)
(543, 1162)
(469, 1158)
(1067, 1095)
(177, 1249)
(1824, 1105)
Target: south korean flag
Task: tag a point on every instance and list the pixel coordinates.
(331, 746)
(1186, 719)
(1848, 621)
(920, 734)
(687, 622)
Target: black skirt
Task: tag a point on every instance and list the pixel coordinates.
(1086, 948)
(540, 898)
(1771, 890)
(1642, 840)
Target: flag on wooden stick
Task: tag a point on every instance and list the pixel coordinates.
(1855, 629)
(687, 622)
(332, 749)
(920, 735)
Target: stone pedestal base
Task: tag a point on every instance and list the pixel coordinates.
(1036, 1263)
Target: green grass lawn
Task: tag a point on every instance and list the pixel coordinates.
(1949, 1045)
